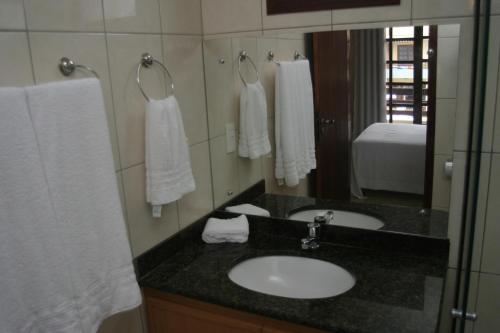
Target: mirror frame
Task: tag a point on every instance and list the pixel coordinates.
(296, 6)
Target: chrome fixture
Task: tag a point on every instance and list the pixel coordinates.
(297, 56)
(68, 66)
(329, 215)
(470, 316)
(243, 56)
(311, 242)
(222, 61)
(147, 61)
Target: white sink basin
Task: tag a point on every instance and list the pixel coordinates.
(341, 218)
(293, 277)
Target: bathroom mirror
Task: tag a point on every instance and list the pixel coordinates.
(386, 108)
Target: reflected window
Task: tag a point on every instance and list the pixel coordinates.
(407, 74)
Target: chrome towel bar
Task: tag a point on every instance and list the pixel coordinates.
(68, 66)
(147, 60)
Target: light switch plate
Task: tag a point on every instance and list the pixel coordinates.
(230, 138)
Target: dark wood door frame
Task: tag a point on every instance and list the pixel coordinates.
(295, 6)
(330, 59)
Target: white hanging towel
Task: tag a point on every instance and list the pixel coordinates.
(168, 166)
(253, 138)
(294, 122)
(36, 287)
(70, 125)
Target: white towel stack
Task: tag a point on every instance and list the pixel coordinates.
(248, 209)
(253, 138)
(168, 166)
(66, 258)
(294, 123)
(222, 231)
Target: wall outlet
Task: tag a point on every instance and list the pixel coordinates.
(230, 138)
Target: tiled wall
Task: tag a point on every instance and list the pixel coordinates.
(110, 36)
(235, 174)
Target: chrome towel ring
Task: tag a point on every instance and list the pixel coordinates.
(242, 57)
(147, 60)
(68, 66)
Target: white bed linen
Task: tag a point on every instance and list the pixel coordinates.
(389, 157)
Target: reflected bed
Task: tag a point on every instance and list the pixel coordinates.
(389, 157)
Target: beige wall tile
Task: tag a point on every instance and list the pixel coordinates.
(249, 172)
(491, 247)
(184, 59)
(495, 7)
(200, 202)
(295, 20)
(145, 231)
(124, 322)
(445, 126)
(220, 16)
(221, 103)
(488, 304)
(441, 185)
(373, 14)
(125, 52)
(224, 171)
(447, 67)
(83, 48)
(449, 30)
(15, 61)
(491, 83)
(132, 16)
(496, 136)
(442, 8)
(267, 69)
(464, 79)
(12, 14)
(181, 16)
(69, 15)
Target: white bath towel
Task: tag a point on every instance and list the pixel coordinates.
(72, 134)
(294, 122)
(248, 209)
(168, 167)
(253, 137)
(229, 230)
(36, 287)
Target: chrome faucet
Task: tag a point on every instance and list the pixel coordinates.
(311, 242)
(329, 215)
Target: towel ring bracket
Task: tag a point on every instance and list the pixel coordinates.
(147, 61)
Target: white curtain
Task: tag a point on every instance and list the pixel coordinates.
(368, 57)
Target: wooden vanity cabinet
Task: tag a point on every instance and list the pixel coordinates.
(169, 313)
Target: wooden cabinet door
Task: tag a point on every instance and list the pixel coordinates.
(167, 317)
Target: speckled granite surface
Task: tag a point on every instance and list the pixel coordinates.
(396, 218)
(396, 291)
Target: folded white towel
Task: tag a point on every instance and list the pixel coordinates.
(73, 137)
(168, 167)
(36, 287)
(230, 230)
(248, 209)
(253, 138)
(294, 122)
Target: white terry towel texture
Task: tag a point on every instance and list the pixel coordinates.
(229, 230)
(71, 222)
(248, 209)
(294, 123)
(253, 138)
(168, 166)
(36, 289)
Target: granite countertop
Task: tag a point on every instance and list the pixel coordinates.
(396, 218)
(394, 292)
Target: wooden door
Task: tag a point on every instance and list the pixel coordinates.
(331, 99)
